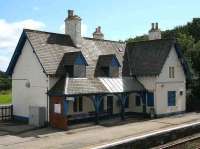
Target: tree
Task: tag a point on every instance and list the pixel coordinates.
(5, 83)
(194, 29)
(195, 65)
(197, 46)
(137, 39)
(186, 41)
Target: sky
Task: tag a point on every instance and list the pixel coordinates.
(119, 19)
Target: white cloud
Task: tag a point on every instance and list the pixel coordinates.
(83, 29)
(10, 32)
(9, 36)
(3, 62)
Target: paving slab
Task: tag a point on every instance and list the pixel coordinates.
(92, 136)
(14, 127)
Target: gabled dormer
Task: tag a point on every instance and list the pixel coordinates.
(73, 64)
(107, 66)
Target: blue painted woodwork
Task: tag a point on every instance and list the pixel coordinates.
(65, 104)
(143, 96)
(97, 99)
(21, 118)
(150, 99)
(80, 60)
(171, 98)
(115, 62)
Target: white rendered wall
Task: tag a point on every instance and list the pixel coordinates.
(28, 67)
(165, 84)
(160, 85)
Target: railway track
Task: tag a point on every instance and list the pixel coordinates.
(191, 142)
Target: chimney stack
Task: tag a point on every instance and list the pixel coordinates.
(73, 28)
(154, 32)
(98, 34)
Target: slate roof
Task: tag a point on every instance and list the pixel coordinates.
(77, 86)
(142, 58)
(148, 57)
(50, 50)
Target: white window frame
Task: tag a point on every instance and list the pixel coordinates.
(171, 72)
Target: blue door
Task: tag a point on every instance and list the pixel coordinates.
(150, 99)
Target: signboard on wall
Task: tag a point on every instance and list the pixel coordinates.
(70, 99)
(57, 108)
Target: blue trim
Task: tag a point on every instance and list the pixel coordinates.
(21, 118)
(169, 114)
(150, 99)
(183, 61)
(115, 62)
(171, 96)
(80, 60)
(143, 96)
(16, 54)
(97, 99)
(65, 104)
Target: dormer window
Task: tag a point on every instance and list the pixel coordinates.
(75, 65)
(107, 66)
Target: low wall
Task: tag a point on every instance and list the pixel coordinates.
(155, 138)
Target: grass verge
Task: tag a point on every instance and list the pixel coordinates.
(5, 97)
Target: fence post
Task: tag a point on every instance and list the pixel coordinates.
(12, 117)
(6, 112)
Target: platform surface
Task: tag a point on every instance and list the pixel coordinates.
(92, 136)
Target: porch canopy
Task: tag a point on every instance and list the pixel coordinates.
(85, 86)
(97, 88)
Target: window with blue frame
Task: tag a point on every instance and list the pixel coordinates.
(150, 99)
(171, 98)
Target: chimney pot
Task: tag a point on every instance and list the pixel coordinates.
(157, 26)
(70, 13)
(152, 26)
(154, 32)
(98, 34)
(99, 29)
